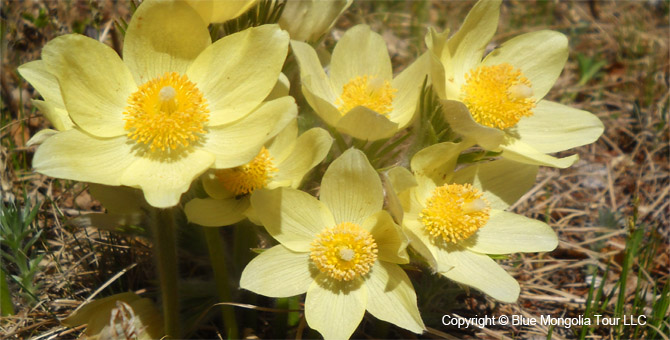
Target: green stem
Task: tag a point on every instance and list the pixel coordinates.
(217, 257)
(165, 250)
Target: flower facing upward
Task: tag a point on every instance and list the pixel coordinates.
(360, 97)
(283, 162)
(455, 218)
(175, 106)
(497, 101)
(343, 250)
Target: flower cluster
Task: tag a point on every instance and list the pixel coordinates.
(209, 126)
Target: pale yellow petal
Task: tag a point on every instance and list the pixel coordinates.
(281, 88)
(540, 56)
(519, 151)
(332, 311)
(279, 272)
(118, 199)
(440, 60)
(309, 20)
(421, 243)
(391, 297)
(351, 188)
(481, 272)
(401, 179)
(310, 68)
(359, 52)
(210, 212)
(310, 149)
(238, 71)
(502, 181)
(507, 233)
(468, 44)
(94, 82)
(323, 108)
(164, 179)
(217, 11)
(292, 217)
(365, 124)
(213, 186)
(78, 156)
(283, 144)
(460, 120)
(163, 36)
(37, 74)
(40, 137)
(555, 127)
(436, 162)
(391, 242)
(56, 115)
(408, 83)
(239, 142)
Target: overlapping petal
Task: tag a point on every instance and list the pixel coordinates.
(278, 272)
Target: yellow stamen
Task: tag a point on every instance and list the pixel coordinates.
(498, 96)
(454, 212)
(344, 251)
(166, 113)
(374, 93)
(245, 179)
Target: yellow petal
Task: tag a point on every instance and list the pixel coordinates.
(56, 115)
(94, 82)
(460, 120)
(309, 20)
(401, 179)
(502, 181)
(507, 233)
(162, 179)
(238, 71)
(210, 212)
(437, 161)
(282, 146)
(37, 74)
(213, 186)
(365, 124)
(281, 88)
(481, 272)
(333, 311)
(555, 127)
(163, 36)
(309, 150)
(40, 137)
(117, 199)
(351, 188)
(98, 160)
(292, 217)
(278, 272)
(217, 11)
(310, 66)
(519, 151)
(539, 55)
(422, 244)
(468, 44)
(391, 243)
(440, 60)
(239, 142)
(391, 297)
(408, 83)
(359, 52)
(323, 108)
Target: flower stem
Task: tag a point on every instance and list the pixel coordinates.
(165, 250)
(217, 257)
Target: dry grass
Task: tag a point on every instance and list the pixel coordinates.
(624, 173)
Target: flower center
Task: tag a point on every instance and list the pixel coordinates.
(167, 112)
(344, 251)
(374, 93)
(245, 179)
(497, 96)
(454, 212)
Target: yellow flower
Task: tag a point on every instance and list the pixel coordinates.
(498, 101)
(360, 97)
(283, 162)
(343, 250)
(217, 11)
(309, 20)
(120, 316)
(175, 106)
(454, 219)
